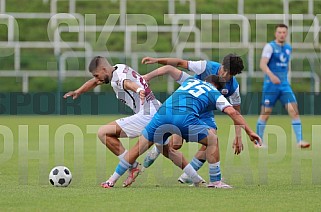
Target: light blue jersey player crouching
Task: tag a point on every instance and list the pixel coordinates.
(231, 65)
(180, 115)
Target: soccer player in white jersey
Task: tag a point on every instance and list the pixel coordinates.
(134, 91)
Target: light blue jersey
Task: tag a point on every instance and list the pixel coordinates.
(180, 113)
(212, 68)
(279, 58)
(231, 89)
(279, 62)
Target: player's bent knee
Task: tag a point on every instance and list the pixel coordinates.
(109, 129)
(106, 131)
(212, 139)
(292, 110)
(266, 111)
(102, 135)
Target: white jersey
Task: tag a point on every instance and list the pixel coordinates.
(131, 99)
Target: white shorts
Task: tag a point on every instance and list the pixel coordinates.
(134, 125)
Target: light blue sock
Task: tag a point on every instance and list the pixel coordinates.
(260, 127)
(122, 167)
(297, 127)
(196, 163)
(215, 172)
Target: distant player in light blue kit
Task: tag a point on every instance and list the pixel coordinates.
(275, 65)
(180, 114)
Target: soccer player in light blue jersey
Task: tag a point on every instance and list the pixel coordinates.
(231, 65)
(180, 114)
(275, 65)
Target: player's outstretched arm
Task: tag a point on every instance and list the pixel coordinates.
(164, 70)
(90, 84)
(176, 62)
(239, 120)
(237, 143)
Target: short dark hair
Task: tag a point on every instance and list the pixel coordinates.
(216, 80)
(281, 25)
(233, 64)
(94, 63)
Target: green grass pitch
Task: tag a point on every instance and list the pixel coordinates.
(280, 178)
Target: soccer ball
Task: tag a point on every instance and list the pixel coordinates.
(60, 176)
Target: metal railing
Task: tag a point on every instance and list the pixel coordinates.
(76, 23)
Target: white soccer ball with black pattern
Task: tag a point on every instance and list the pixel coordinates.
(60, 176)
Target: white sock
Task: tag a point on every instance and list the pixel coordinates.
(156, 149)
(122, 155)
(134, 165)
(184, 175)
(217, 164)
(190, 171)
(114, 177)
